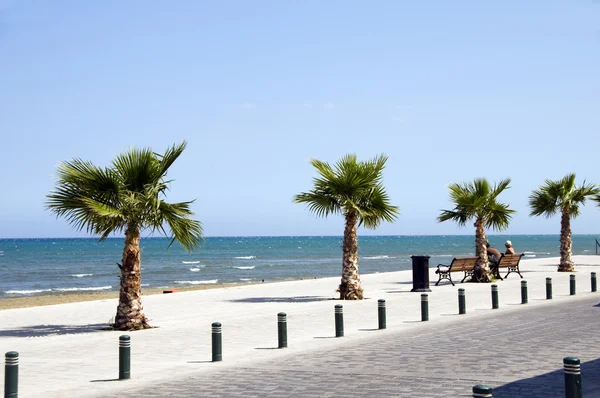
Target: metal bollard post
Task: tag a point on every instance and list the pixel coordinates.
(339, 320)
(124, 357)
(381, 314)
(282, 330)
(462, 302)
(495, 297)
(548, 288)
(217, 342)
(11, 374)
(572, 369)
(572, 285)
(594, 282)
(523, 292)
(424, 307)
(482, 391)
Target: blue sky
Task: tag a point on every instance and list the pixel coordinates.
(450, 91)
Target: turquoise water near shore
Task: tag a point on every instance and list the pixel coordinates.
(58, 266)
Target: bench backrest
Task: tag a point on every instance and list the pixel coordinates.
(510, 260)
(463, 264)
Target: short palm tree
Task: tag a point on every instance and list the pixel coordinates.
(355, 190)
(125, 197)
(478, 200)
(565, 197)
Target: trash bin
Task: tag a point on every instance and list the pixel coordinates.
(420, 273)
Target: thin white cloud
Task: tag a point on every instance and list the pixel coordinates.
(328, 106)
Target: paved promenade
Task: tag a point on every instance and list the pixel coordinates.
(518, 353)
(518, 349)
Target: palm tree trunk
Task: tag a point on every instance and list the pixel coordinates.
(350, 285)
(130, 314)
(482, 268)
(566, 244)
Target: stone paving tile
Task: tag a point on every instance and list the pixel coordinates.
(518, 353)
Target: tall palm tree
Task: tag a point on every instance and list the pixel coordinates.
(478, 200)
(355, 190)
(565, 197)
(125, 197)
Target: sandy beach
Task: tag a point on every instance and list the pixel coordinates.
(53, 299)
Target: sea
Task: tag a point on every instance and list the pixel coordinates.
(31, 267)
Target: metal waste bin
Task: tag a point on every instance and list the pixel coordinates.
(420, 273)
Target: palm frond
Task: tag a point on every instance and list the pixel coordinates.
(478, 200)
(105, 201)
(350, 186)
(186, 231)
(561, 196)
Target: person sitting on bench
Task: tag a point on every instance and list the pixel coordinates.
(493, 254)
(509, 248)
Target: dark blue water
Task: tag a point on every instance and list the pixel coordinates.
(50, 266)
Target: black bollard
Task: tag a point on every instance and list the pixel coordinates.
(482, 391)
(462, 302)
(11, 374)
(548, 288)
(594, 282)
(572, 285)
(381, 314)
(424, 307)
(523, 292)
(572, 369)
(217, 342)
(282, 330)
(339, 320)
(124, 357)
(495, 304)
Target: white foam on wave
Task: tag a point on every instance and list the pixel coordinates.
(377, 257)
(80, 275)
(251, 267)
(208, 282)
(195, 269)
(75, 289)
(27, 291)
(191, 262)
(245, 279)
(245, 257)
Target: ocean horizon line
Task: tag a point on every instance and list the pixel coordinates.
(295, 236)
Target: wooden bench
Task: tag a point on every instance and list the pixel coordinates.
(510, 261)
(465, 264)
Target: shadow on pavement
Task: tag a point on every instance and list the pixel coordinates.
(552, 384)
(297, 299)
(51, 330)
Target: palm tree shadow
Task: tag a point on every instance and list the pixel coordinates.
(297, 299)
(53, 330)
(551, 384)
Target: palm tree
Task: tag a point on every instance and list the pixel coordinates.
(565, 197)
(478, 200)
(125, 197)
(355, 190)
